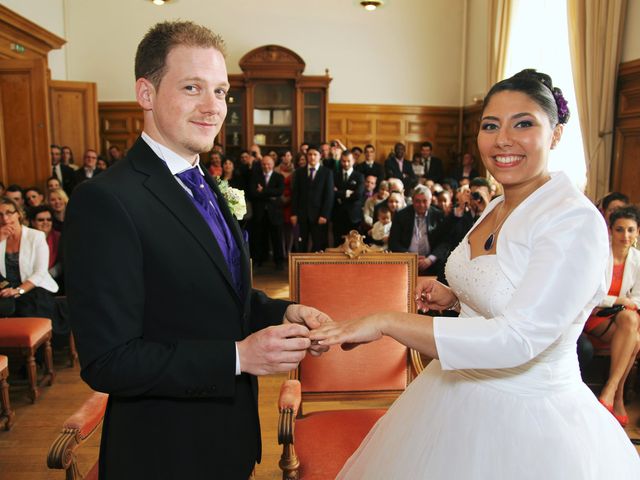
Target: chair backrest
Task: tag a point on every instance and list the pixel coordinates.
(347, 288)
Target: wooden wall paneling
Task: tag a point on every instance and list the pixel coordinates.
(470, 126)
(121, 123)
(74, 116)
(22, 39)
(625, 168)
(4, 172)
(26, 121)
(385, 125)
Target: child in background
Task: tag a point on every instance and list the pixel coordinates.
(381, 229)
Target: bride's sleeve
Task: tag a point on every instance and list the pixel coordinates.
(563, 280)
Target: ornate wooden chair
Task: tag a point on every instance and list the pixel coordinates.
(75, 431)
(345, 284)
(6, 414)
(22, 336)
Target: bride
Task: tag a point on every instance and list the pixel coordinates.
(505, 400)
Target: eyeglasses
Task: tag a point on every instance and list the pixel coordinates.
(7, 214)
(44, 219)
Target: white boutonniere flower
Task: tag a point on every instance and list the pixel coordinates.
(234, 197)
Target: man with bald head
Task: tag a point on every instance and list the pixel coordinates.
(421, 228)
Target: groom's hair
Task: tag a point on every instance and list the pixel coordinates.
(152, 52)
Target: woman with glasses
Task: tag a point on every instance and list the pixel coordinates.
(24, 266)
(41, 218)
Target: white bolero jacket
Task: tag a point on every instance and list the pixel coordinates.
(33, 261)
(630, 279)
(557, 275)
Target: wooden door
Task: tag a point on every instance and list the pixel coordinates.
(24, 156)
(74, 116)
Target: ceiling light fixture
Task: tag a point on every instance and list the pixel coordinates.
(158, 2)
(371, 5)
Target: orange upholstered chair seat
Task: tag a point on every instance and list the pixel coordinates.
(23, 336)
(328, 444)
(23, 332)
(4, 363)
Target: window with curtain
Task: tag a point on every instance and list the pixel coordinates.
(547, 50)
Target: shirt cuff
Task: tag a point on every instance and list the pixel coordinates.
(238, 371)
(433, 258)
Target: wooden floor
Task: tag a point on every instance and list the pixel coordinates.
(23, 450)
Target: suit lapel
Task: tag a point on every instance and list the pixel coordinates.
(166, 189)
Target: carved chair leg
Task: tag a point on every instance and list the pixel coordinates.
(289, 463)
(33, 377)
(49, 374)
(6, 414)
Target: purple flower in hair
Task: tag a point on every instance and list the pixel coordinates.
(563, 106)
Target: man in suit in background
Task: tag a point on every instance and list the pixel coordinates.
(349, 198)
(265, 191)
(397, 166)
(88, 169)
(312, 201)
(421, 228)
(370, 166)
(64, 173)
(433, 169)
(159, 287)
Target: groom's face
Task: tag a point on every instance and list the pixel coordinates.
(189, 104)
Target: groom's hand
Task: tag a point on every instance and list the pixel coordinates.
(312, 318)
(274, 349)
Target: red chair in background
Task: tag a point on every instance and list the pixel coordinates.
(345, 285)
(22, 336)
(6, 414)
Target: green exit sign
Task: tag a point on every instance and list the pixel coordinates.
(16, 47)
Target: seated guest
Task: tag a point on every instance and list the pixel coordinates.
(88, 170)
(215, 165)
(348, 195)
(396, 166)
(15, 193)
(265, 191)
(396, 193)
(102, 164)
(421, 229)
(467, 168)
(370, 166)
(370, 182)
(382, 228)
(41, 218)
(371, 202)
(469, 205)
(444, 202)
(395, 202)
(53, 184)
(611, 202)
(24, 265)
(450, 184)
(34, 197)
(615, 322)
(58, 200)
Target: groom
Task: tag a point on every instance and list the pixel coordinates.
(159, 286)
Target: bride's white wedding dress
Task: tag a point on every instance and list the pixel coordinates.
(536, 420)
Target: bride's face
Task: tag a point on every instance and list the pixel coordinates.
(515, 138)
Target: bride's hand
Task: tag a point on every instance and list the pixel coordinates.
(350, 333)
(433, 295)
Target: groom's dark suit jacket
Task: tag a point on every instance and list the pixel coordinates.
(155, 316)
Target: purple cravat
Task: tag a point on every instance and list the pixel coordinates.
(207, 204)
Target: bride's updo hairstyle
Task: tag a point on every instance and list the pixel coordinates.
(539, 87)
